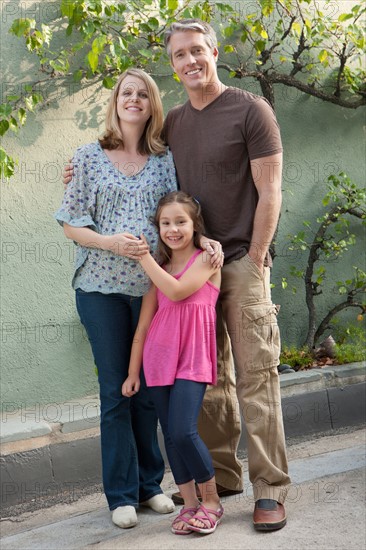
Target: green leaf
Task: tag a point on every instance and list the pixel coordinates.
(146, 53)
(12, 97)
(153, 22)
(20, 27)
(345, 16)
(267, 9)
(109, 82)
(297, 28)
(6, 164)
(259, 46)
(123, 43)
(5, 109)
(98, 44)
(22, 115)
(229, 48)
(173, 4)
(227, 32)
(308, 24)
(60, 65)
(4, 127)
(29, 103)
(78, 75)
(67, 8)
(13, 124)
(323, 56)
(244, 36)
(93, 59)
(88, 28)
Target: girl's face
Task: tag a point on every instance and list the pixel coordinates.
(176, 226)
(133, 102)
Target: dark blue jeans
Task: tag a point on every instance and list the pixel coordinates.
(178, 407)
(133, 466)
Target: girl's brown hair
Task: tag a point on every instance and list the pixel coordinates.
(151, 141)
(194, 211)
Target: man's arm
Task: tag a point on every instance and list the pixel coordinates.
(68, 173)
(214, 249)
(267, 176)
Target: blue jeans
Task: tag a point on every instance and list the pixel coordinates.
(132, 463)
(178, 407)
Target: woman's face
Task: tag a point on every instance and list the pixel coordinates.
(133, 102)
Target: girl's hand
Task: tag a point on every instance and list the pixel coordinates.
(143, 239)
(131, 386)
(126, 244)
(214, 249)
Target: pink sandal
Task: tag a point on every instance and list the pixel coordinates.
(190, 512)
(213, 523)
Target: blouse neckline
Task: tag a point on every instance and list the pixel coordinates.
(119, 171)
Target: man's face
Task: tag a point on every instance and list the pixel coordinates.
(193, 60)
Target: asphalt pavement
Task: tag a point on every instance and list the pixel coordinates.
(325, 511)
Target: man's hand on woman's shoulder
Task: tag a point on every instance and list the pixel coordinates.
(67, 173)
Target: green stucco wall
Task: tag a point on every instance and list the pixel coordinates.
(45, 356)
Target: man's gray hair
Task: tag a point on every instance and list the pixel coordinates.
(195, 25)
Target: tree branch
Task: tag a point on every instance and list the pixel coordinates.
(343, 59)
(325, 324)
(302, 47)
(290, 81)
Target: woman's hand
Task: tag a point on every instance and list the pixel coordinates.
(126, 244)
(214, 249)
(131, 385)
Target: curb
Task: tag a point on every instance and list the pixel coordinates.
(55, 448)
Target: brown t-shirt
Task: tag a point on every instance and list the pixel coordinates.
(212, 150)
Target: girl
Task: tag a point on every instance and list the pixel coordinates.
(175, 340)
(117, 183)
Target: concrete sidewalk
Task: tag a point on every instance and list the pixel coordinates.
(325, 510)
(53, 448)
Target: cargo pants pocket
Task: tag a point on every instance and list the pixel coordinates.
(261, 336)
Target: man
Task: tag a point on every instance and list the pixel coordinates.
(228, 154)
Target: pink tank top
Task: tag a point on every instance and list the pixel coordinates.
(181, 341)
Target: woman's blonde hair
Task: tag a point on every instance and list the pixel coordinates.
(151, 141)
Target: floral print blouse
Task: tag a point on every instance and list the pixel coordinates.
(105, 200)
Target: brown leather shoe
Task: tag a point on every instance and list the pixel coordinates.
(221, 491)
(269, 515)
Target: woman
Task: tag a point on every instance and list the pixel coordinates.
(116, 186)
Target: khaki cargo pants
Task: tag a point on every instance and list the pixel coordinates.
(246, 313)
